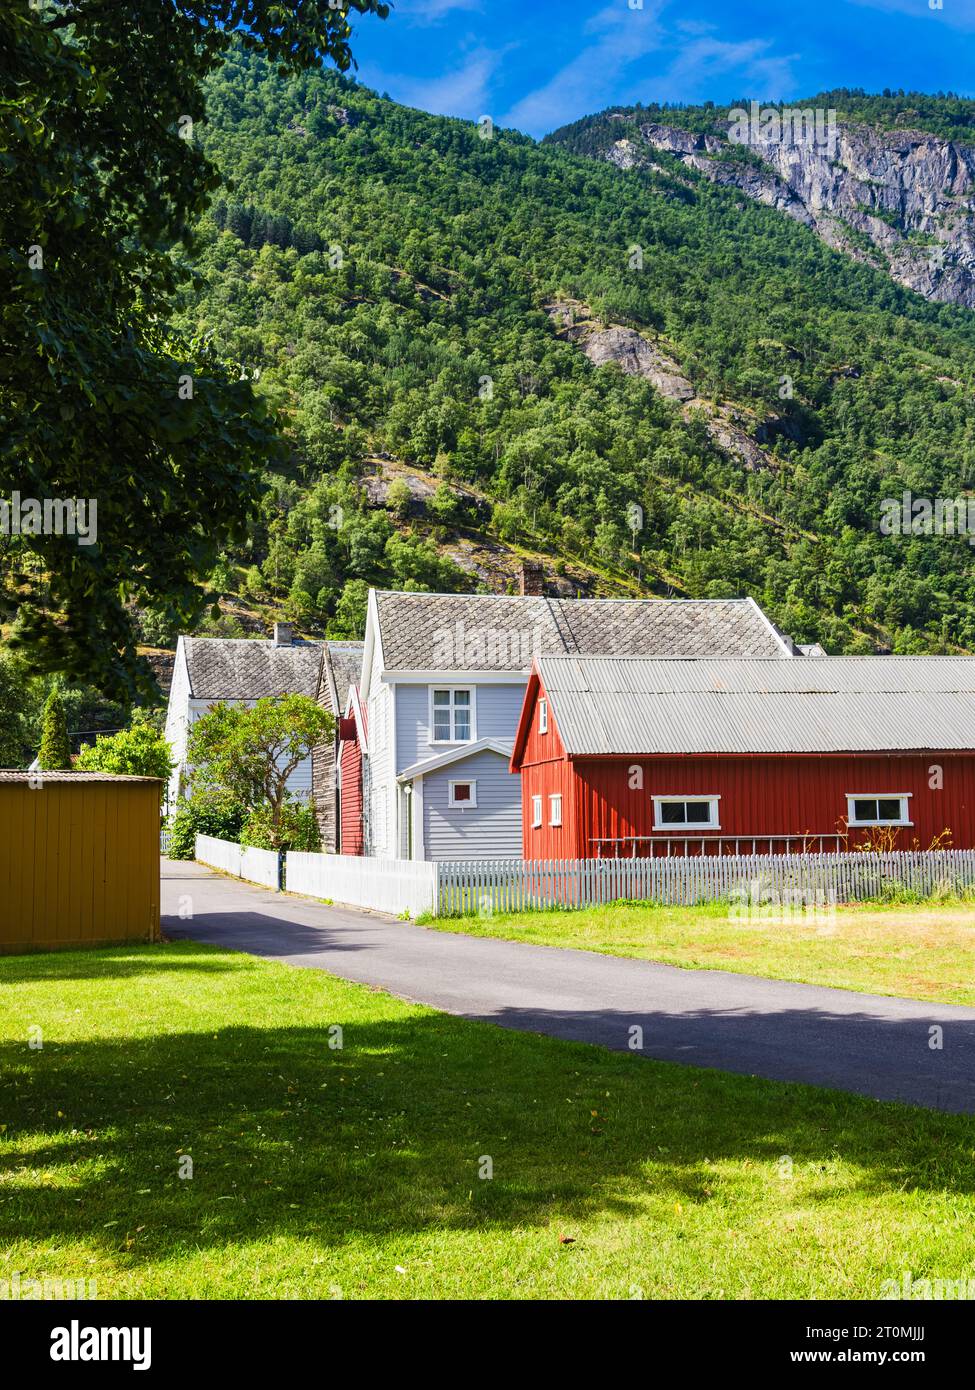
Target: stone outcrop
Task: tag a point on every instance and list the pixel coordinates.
(734, 429)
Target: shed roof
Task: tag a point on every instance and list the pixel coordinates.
(851, 704)
(11, 775)
(235, 668)
(428, 632)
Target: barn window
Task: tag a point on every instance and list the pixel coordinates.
(451, 715)
(536, 812)
(685, 813)
(878, 808)
(543, 716)
(555, 809)
(463, 793)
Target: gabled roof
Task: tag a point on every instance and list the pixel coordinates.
(631, 706)
(341, 668)
(497, 632)
(456, 755)
(231, 668)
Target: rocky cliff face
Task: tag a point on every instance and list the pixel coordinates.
(901, 200)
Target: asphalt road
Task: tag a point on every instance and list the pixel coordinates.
(788, 1032)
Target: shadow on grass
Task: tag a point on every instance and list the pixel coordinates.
(104, 962)
(292, 1138)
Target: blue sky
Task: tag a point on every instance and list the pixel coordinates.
(536, 64)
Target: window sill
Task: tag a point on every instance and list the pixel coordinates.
(880, 825)
(687, 830)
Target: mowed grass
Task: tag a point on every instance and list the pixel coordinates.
(321, 1172)
(918, 951)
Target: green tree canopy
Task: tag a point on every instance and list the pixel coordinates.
(100, 399)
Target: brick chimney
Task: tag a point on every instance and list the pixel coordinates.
(532, 581)
(284, 635)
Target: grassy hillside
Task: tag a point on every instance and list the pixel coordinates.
(386, 273)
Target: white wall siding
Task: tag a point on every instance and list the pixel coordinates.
(382, 784)
(489, 830)
(176, 719)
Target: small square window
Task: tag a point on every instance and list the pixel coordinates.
(555, 809)
(463, 793)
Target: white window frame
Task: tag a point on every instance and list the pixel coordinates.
(685, 827)
(902, 797)
(453, 690)
(536, 813)
(462, 782)
(543, 716)
(555, 797)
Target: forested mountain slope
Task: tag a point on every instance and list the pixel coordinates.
(410, 291)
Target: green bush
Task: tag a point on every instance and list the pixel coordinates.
(213, 812)
(139, 751)
(299, 828)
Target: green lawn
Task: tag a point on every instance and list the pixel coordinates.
(354, 1173)
(919, 951)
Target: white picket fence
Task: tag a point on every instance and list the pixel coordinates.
(458, 887)
(385, 885)
(506, 885)
(254, 865)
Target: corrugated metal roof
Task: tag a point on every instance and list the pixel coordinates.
(853, 704)
(477, 632)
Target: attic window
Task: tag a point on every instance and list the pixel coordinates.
(685, 812)
(543, 716)
(878, 808)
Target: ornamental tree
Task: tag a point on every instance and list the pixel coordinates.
(252, 752)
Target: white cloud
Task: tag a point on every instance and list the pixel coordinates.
(462, 92)
(957, 14)
(430, 11)
(590, 81)
(693, 72)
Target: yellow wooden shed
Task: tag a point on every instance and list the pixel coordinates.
(79, 859)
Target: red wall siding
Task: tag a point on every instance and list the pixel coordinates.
(545, 771)
(350, 762)
(773, 796)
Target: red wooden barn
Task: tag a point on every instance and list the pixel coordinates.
(639, 756)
